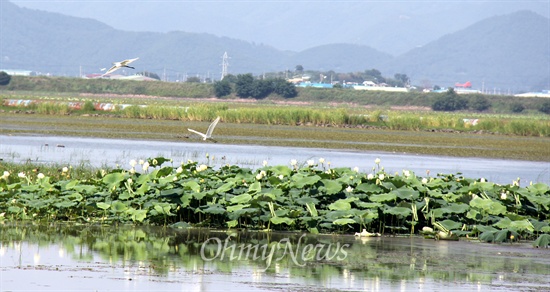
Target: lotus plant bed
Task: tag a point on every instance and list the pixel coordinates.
(309, 196)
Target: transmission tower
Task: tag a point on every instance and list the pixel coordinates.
(225, 64)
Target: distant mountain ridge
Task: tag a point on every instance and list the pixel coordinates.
(509, 52)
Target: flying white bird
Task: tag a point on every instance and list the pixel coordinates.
(118, 65)
(208, 134)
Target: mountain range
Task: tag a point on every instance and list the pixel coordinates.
(510, 52)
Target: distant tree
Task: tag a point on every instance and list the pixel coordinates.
(402, 78)
(479, 103)
(517, 107)
(193, 79)
(5, 78)
(244, 85)
(299, 69)
(284, 88)
(545, 107)
(230, 78)
(437, 87)
(149, 74)
(261, 89)
(449, 101)
(337, 85)
(374, 75)
(222, 88)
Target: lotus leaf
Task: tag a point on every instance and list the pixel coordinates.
(331, 186)
(237, 207)
(254, 188)
(113, 179)
(542, 241)
(368, 188)
(241, 199)
(138, 215)
(280, 220)
(383, 197)
(488, 205)
(301, 180)
(405, 193)
(539, 188)
(398, 211)
(103, 206)
(118, 206)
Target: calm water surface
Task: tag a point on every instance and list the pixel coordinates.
(100, 152)
(92, 258)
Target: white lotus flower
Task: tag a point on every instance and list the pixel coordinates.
(21, 175)
(179, 169)
(141, 162)
(293, 162)
(40, 176)
(65, 169)
(133, 162)
(377, 161)
(264, 163)
(349, 189)
(311, 162)
(145, 166)
(381, 176)
(503, 196)
(406, 173)
(259, 176)
(356, 169)
(370, 176)
(6, 174)
(424, 180)
(321, 160)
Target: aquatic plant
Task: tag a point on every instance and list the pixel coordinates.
(300, 196)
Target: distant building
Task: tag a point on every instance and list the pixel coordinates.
(544, 93)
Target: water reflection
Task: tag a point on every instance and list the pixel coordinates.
(145, 258)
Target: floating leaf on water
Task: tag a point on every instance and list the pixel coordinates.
(181, 224)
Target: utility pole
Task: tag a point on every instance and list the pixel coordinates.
(225, 65)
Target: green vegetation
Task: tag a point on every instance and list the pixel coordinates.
(308, 196)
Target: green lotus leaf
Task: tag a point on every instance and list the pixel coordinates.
(192, 185)
(237, 207)
(113, 179)
(340, 205)
(539, 188)
(163, 208)
(241, 199)
(483, 228)
(506, 223)
(214, 209)
(281, 170)
(307, 200)
(232, 223)
(103, 206)
(343, 221)
(405, 193)
(542, 241)
(368, 188)
(383, 197)
(450, 224)
(280, 220)
(398, 211)
(254, 188)
(118, 206)
(331, 186)
(488, 205)
(225, 187)
(71, 184)
(312, 209)
(543, 201)
(301, 180)
(138, 215)
(367, 205)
